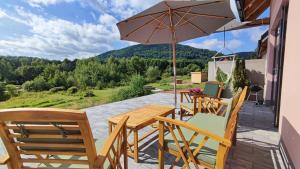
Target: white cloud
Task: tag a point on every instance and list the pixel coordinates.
(38, 3)
(57, 38)
(216, 44)
(107, 19)
(254, 34)
(2, 14)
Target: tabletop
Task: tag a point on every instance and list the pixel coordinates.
(143, 115)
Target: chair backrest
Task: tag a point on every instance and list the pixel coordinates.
(31, 136)
(232, 123)
(213, 89)
(230, 130)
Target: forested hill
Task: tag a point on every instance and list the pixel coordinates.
(159, 51)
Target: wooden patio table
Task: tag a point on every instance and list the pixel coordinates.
(138, 119)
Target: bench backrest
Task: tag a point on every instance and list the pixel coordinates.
(32, 135)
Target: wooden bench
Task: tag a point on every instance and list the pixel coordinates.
(58, 138)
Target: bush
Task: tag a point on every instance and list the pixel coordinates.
(135, 89)
(57, 89)
(240, 78)
(12, 90)
(73, 90)
(89, 94)
(3, 95)
(221, 76)
(152, 74)
(38, 84)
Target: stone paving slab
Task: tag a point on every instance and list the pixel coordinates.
(257, 139)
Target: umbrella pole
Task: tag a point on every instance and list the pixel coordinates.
(174, 72)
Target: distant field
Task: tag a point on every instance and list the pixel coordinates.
(59, 100)
(167, 83)
(78, 101)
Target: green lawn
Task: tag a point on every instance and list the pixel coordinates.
(78, 101)
(59, 100)
(166, 83)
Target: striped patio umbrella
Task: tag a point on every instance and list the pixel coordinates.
(174, 21)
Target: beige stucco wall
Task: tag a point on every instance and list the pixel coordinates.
(255, 70)
(290, 112)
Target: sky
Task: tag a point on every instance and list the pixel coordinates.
(59, 29)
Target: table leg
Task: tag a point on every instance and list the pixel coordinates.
(110, 127)
(136, 148)
(173, 117)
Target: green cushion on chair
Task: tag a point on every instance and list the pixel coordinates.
(211, 90)
(209, 122)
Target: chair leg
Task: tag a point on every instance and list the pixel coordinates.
(181, 113)
(161, 141)
(249, 96)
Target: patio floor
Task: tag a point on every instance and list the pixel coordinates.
(257, 139)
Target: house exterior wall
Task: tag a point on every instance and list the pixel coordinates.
(289, 112)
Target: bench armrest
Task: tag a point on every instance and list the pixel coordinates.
(4, 159)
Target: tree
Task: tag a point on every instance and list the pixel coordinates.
(240, 78)
(3, 96)
(221, 76)
(152, 74)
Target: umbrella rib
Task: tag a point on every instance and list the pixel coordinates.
(192, 24)
(160, 21)
(156, 28)
(204, 15)
(134, 18)
(142, 26)
(186, 21)
(185, 13)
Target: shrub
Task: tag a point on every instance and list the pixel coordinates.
(240, 78)
(221, 76)
(57, 89)
(38, 84)
(152, 74)
(3, 95)
(12, 90)
(89, 94)
(73, 90)
(135, 89)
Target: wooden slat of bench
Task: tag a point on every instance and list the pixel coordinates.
(60, 161)
(50, 145)
(52, 153)
(75, 136)
(50, 168)
(43, 127)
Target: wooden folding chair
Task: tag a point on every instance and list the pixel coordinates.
(204, 140)
(57, 138)
(212, 90)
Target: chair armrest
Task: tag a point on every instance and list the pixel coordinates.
(110, 142)
(4, 159)
(189, 126)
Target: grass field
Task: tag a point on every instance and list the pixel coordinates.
(59, 100)
(166, 83)
(78, 101)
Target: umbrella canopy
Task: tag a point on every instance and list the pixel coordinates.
(173, 21)
(189, 19)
